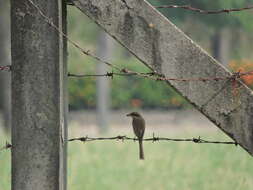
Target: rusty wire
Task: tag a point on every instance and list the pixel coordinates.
(112, 74)
(188, 7)
(126, 72)
(158, 77)
(85, 52)
(123, 138)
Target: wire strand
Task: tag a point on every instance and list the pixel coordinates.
(198, 140)
(187, 7)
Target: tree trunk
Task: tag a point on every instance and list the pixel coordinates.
(105, 49)
(221, 46)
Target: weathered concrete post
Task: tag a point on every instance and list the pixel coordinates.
(38, 96)
(64, 97)
(5, 60)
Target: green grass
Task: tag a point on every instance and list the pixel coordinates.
(168, 165)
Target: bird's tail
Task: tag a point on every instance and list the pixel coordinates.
(141, 150)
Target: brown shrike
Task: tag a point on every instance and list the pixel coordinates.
(139, 129)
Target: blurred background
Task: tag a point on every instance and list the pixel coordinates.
(98, 107)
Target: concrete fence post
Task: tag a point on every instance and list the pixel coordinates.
(38, 96)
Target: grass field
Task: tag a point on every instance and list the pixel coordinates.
(168, 165)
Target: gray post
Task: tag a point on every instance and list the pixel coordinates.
(38, 96)
(5, 60)
(65, 96)
(105, 47)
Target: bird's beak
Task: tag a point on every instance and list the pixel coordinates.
(128, 115)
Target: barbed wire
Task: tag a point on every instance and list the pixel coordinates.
(123, 138)
(154, 138)
(198, 140)
(5, 68)
(6, 146)
(111, 74)
(159, 77)
(151, 75)
(188, 7)
(127, 72)
(86, 52)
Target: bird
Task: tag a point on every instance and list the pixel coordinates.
(139, 128)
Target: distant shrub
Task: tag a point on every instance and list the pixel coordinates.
(243, 66)
(126, 92)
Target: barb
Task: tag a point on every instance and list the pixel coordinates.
(86, 52)
(7, 146)
(187, 7)
(153, 139)
(5, 68)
